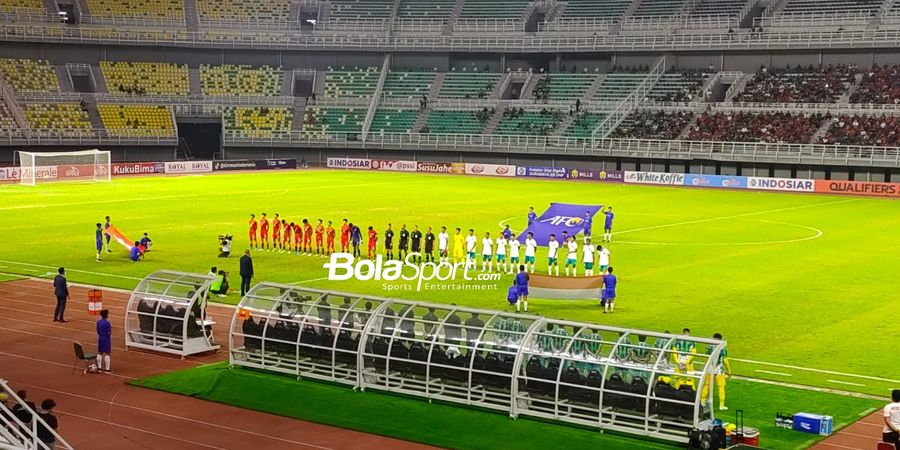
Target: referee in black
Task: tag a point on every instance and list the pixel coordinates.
(404, 242)
(389, 242)
(429, 245)
(417, 242)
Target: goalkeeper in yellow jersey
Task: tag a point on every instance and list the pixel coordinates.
(722, 371)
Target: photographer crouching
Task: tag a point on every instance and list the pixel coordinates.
(225, 246)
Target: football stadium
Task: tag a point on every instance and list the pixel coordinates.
(464, 224)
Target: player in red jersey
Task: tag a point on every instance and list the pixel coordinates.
(264, 231)
(329, 238)
(276, 232)
(307, 237)
(254, 225)
(298, 236)
(286, 240)
(320, 233)
(373, 242)
(345, 237)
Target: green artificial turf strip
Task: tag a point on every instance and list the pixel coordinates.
(5, 277)
(749, 265)
(455, 426)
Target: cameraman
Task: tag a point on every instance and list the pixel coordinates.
(225, 250)
(220, 284)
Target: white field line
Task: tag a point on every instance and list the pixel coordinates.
(809, 388)
(780, 374)
(44, 266)
(846, 382)
(310, 280)
(817, 233)
(807, 369)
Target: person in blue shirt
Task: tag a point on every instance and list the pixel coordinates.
(136, 253)
(146, 242)
(607, 225)
(106, 227)
(531, 215)
(512, 294)
(608, 293)
(355, 239)
(586, 225)
(507, 232)
(104, 341)
(521, 283)
(98, 236)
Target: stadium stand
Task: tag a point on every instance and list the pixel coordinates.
(6, 119)
(798, 84)
(456, 122)
(426, 9)
(230, 79)
(319, 122)
(26, 5)
(658, 8)
(257, 121)
(243, 10)
(835, 8)
(606, 9)
(777, 127)
(407, 84)
(583, 125)
(360, 9)
(355, 83)
(469, 84)
(57, 116)
(390, 120)
(563, 86)
(146, 78)
(864, 130)
(679, 86)
(156, 9)
(517, 121)
(493, 9)
(713, 7)
(28, 75)
(653, 125)
(617, 85)
(881, 84)
(136, 120)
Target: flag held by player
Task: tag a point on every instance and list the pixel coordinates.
(558, 218)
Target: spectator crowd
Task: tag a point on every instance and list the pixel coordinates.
(653, 125)
(864, 130)
(881, 84)
(823, 84)
(778, 127)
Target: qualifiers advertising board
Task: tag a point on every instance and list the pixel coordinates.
(349, 163)
(497, 170)
(394, 165)
(715, 181)
(434, 167)
(189, 166)
(674, 179)
(868, 188)
(542, 172)
(597, 175)
(781, 184)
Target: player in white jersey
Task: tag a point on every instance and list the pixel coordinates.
(572, 256)
(602, 258)
(530, 249)
(513, 252)
(587, 254)
(443, 245)
(487, 252)
(501, 253)
(471, 248)
(552, 250)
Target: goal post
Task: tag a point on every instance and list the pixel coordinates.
(49, 167)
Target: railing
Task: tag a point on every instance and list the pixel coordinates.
(250, 24)
(625, 106)
(23, 434)
(833, 108)
(111, 137)
(487, 25)
(355, 25)
(7, 95)
(642, 23)
(738, 85)
(420, 25)
(524, 43)
(14, 14)
(376, 94)
(815, 19)
(745, 10)
(645, 148)
(710, 21)
(577, 25)
(135, 20)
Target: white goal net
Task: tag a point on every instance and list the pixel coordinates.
(48, 167)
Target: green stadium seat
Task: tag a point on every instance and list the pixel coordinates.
(454, 122)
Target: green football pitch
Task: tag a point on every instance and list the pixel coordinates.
(802, 286)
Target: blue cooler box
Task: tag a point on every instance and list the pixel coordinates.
(813, 424)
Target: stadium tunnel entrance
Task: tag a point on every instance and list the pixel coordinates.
(199, 137)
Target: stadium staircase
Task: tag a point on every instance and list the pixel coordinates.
(8, 96)
(376, 95)
(845, 97)
(737, 87)
(629, 12)
(628, 104)
(99, 79)
(299, 114)
(287, 81)
(564, 126)
(491, 125)
(90, 105)
(65, 81)
(823, 129)
(594, 87)
(191, 17)
(454, 16)
(528, 88)
(194, 83)
(687, 128)
(51, 6)
(81, 5)
(422, 118)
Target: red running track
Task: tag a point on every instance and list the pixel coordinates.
(102, 412)
(862, 435)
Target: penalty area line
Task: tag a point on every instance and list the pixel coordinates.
(808, 369)
(809, 388)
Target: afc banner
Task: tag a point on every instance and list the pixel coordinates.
(558, 218)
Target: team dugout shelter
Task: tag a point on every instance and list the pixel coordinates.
(167, 313)
(632, 381)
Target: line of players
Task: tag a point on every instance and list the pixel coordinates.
(298, 238)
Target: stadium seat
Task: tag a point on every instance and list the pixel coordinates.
(223, 11)
(393, 121)
(584, 124)
(343, 122)
(646, 124)
(146, 78)
(6, 119)
(618, 85)
(453, 122)
(360, 9)
(713, 7)
(880, 130)
(136, 120)
(29, 75)
(534, 123)
(27, 5)
(352, 83)
(232, 79)
(257, 121)
(469, 84)
(563, 86)
(407, 85)
(678, 86)
(760, 127)
(155, 9)
(798, 84)
(658, 8)
(425, 9)
(590, 9)
(57, 116)
(493, 9)
(880, 84)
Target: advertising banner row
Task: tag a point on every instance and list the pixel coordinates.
(393, 165)
(185, 167)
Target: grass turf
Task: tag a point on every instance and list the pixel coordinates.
(452, 426)
(803, 280)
